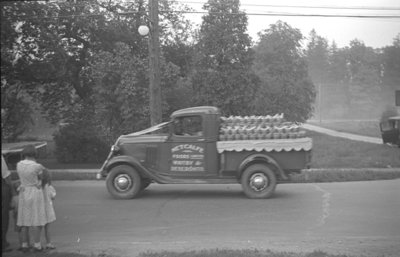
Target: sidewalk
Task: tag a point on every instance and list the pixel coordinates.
(330, 132)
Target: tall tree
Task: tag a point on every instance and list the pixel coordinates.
(222, 74)
(391, 64)
(337, 70)
(317, 54)
(364, 71)
(281, 66)
(317, 57)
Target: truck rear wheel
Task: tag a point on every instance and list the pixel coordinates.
(124, 182)
(258, 181)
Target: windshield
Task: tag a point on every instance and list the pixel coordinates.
(150, 130)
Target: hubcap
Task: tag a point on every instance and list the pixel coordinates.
(258, 182)
(122, 182)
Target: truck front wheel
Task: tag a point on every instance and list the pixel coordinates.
(258, 181)
(123, 182)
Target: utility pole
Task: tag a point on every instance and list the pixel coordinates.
(154, 65)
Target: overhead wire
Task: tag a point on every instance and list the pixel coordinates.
(250, 13)
(368, 16)
(373, 8)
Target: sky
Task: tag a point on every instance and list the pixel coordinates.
(374, 32)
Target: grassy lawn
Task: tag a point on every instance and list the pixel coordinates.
(202, 253)
(364, 128)
(239, 253)
(335, 152)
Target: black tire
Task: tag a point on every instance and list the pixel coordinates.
(124, 182)
(258, 181)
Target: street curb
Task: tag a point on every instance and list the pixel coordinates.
(74, 174)
(306, 176)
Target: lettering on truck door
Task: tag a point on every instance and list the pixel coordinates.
(187, 157)
(187, 154)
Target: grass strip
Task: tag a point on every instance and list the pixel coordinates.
(200, 253)
(239, 253)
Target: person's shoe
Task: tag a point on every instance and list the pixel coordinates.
(24, 249)
(50, 247)
(37, 249)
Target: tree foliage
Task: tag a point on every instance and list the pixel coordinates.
(48, 47)
(222, 76)
(364, 73)
(317, 57)
(85, 64)
(358, 80)
(391, 64)
(120, 82)
(281, 66)
(15, 111)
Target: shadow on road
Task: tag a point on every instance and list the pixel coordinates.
(224, 192)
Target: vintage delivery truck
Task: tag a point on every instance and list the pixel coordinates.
(199, 146)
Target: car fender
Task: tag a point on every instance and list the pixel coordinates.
(262, 158)
(128, 160)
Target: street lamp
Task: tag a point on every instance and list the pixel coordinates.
(143, 30)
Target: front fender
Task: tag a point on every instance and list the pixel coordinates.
(261, 158)
(129, 160)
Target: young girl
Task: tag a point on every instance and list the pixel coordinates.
(49, 194)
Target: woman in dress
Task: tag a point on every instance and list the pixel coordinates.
(31, 207)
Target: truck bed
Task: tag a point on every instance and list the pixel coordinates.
(292, 155)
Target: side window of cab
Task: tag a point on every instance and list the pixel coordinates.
(188, 126)
(386, 126)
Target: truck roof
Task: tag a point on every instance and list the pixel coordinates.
(196, 110)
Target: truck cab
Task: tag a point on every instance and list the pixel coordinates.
(188, 150)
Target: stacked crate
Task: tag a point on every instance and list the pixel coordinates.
(258, 128)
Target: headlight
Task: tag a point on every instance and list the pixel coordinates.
(114, 148)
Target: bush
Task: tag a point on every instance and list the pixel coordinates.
(79, 144)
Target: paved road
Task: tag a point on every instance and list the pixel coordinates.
(350, 136)
(351, 218)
